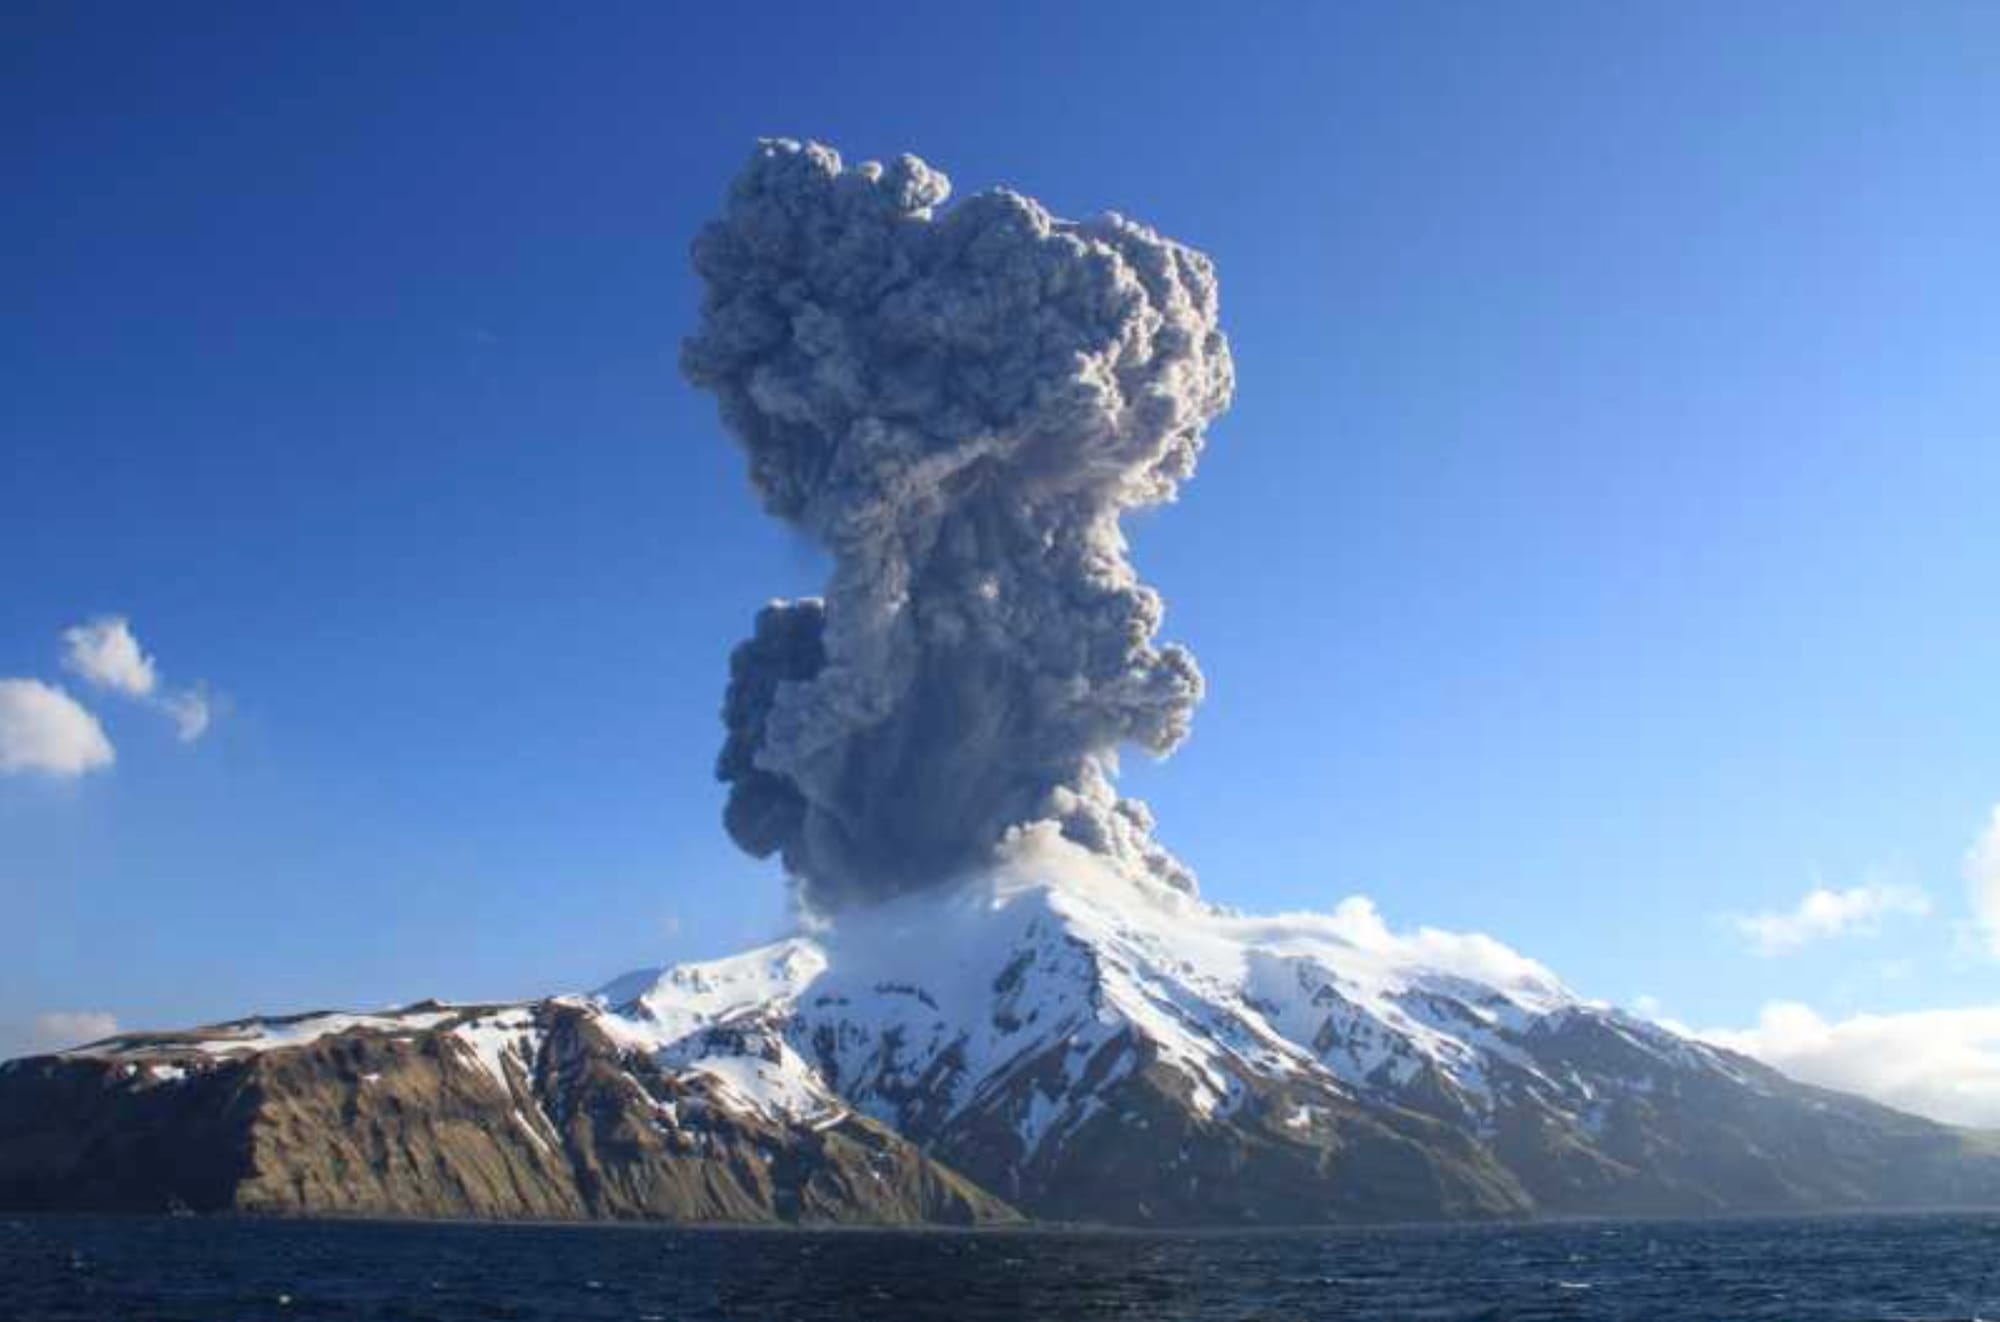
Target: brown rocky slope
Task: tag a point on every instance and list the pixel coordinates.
(400, 1117)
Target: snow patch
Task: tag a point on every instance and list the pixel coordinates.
(253, 1035)
(493, 1039)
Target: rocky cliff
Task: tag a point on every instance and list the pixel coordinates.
(488, 1112)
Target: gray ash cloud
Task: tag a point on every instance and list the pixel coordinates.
(958, 403)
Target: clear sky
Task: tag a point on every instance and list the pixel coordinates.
(1602, 547)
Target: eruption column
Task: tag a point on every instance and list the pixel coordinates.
(958, 403)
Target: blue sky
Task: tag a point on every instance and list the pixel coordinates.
(1602, 543)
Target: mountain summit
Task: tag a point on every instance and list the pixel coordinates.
(1055, 1040)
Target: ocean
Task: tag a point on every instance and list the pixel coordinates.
(108, 1269)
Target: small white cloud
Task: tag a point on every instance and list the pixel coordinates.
(1654, 1010)
(190, 712)
(1944, 1064)
(61, 1029)
(44, 729)
(1982, 874)
(1825, 914)
(1468, 954)
(105, 653)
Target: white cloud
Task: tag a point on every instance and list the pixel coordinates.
(190, 711)
(1468, 954)
(43, 729)
(61, 1029)
(1982, 874)
(105, 653)
(1824, 914)
(1654, 1010)
(1944, 1064)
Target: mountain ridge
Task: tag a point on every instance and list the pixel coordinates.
(1052, 1040)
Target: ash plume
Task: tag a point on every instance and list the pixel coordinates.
(958, 403)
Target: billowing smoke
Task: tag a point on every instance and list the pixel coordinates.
(958, 404)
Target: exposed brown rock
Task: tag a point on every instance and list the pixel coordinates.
(411, 1124)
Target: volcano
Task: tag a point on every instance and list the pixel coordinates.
(1054, 1041)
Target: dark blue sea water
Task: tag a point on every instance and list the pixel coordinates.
(162, 1270)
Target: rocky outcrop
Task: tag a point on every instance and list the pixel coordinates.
(491, 1112)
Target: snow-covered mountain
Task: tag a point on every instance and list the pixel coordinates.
(1089, 1047)
(1056, 1037)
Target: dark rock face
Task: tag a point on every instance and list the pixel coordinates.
(1693, 1140)
(1147, 1156)
(409, 1124)
(1685, 1141)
